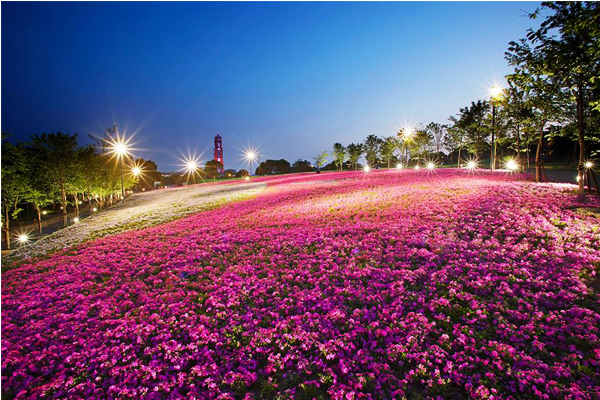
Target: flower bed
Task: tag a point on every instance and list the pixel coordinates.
(139, 211)
(391, 284)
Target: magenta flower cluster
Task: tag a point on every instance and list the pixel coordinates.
(342, 285)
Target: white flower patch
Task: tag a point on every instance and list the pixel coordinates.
(139, 211)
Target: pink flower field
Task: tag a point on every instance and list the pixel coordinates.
(407, 284)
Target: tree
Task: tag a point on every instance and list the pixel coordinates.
(472, 122)
(39, 191)
(540, 91)
(339, 155)
(355, 150)
(273, 167)
(571, 59)
(437, 132)
(320, 160)
(58, 156)
(212, 169)
(242, 173)
(454, 139)
(302, 166)
(372, 148)
(14, 183)
(388, 150)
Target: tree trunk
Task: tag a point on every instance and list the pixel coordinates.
(63, 211)
(538, 155)
(6, 228)
(580, 128)
(518, 141)
(493, 146)
(39, 218)
(76, 205)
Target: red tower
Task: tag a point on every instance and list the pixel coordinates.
(219, 151)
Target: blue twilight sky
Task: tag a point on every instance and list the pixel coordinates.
(289, 78)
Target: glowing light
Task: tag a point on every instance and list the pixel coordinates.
(366, 168)
(250, 155)
(417, 167)
(191, 165)
(44, 212)
(496, 91)
(408, 132)
(511, 165)
(80, 202)
(399, 166)
(119, 147)
(143, 189)
(76, 219)
(23, 238)
(94, 209)
(247, 178)
(430, 166)
(136, 171)
(588, 164)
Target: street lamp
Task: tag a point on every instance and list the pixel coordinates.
(23, 238)
(252, 156)
(120, 148)
(512, 165)
(495, 95)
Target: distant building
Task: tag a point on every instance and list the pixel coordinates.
(219, 152)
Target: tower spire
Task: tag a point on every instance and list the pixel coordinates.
(218, 153)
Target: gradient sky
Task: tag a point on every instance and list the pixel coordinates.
(289, 78)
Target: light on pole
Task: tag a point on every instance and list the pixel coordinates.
(251, 157)
(495, 94)
(120, 148)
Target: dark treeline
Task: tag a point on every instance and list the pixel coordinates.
(53, 169)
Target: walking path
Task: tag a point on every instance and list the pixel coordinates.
(139, 211)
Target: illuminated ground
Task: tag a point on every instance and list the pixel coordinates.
(394, 284)
(141, 210)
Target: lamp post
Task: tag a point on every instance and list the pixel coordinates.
(120, 148)
(495, 94)
(251, 156)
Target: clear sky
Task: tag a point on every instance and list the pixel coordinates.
(289, 78)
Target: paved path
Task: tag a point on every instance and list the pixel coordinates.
(139, 211)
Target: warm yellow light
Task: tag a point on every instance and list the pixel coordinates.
(76, 219)
(191, 166)
(23, 238)
(44, 212)
(471, 165)
(430, 166)
(119, 146)
(366, 168)
(588, 164)
(417, 167)
(578, 178)
(511, 165)
(250, 155)
(94, 209)
(136, 170)
(247, 178)
(143, 189)
(407, 132)
(495, 91)
(399, 166)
